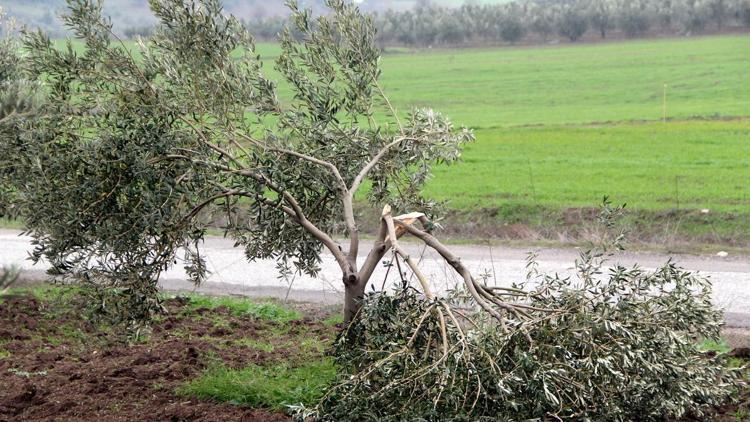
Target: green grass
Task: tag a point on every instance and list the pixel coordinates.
(255, 344)
(561, 126)
(244, 307)
(652, 166)
(500, 87)
(334, 319)
(711, 345)
(47, 292)
(268, 387)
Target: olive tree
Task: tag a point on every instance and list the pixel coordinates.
(719, 12)
(139, 152)
(602, 15)
(635, 18)
(572, 22)
(511, 23)
(664, 11)
(693, 16)
(743, 11)
(543, 21)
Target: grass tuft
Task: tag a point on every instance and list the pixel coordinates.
(714, 346)
(267, 387)
(334, 320)
(267, 311)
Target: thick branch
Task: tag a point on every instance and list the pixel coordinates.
(350, 274)
(376, 254)
(351, 227)
(393, 241)
(457, 265)
(371, 164)
(346, 195)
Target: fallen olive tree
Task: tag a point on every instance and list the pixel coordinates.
(134, 154)
(620, 345)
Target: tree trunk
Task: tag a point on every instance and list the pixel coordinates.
(353, 294)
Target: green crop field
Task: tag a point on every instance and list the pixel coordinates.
(653, 166)
(560, 126)
(577, 84)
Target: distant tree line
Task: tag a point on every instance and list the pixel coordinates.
(543, 21)
(534, 21)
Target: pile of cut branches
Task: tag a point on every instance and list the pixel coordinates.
(616, 345)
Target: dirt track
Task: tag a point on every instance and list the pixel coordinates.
(232, 274)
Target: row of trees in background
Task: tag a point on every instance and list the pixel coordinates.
(543, 21)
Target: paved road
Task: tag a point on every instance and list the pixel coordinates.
(232, 274)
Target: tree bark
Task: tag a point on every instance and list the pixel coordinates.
(353, 295)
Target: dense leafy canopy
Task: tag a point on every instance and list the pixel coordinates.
(131, 160)
(603, 345)
(18, 100)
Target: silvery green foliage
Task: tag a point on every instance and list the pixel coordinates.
(620, 344)
(18, 102)
(635, 17)
(511, 23)
(602, 15)
(572, 21)
(137, 152)
(605, 344)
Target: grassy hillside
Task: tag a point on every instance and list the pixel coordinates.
(576, 84)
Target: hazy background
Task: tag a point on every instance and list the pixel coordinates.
(128, 13)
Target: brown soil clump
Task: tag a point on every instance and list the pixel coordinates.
(54, 365)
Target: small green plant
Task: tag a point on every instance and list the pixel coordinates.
(267, 311)
(272, 387)
(8, 277)
(741, 415)
(718, 346)
(334, 320)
